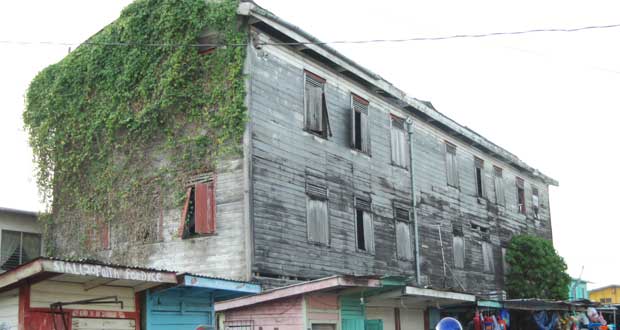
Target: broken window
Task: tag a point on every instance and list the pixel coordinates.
(498, 182)
(315, 106)
(17, 248)
(198, 217)
(520, 195)
(399, 142)
(479, 167)
(403, 232)
(487, 257)
(316, 211)
(363, 225)
(360, 134)
(535, 202)
(458, 249)
(452, 172)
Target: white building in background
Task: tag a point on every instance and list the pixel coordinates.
(20, 238)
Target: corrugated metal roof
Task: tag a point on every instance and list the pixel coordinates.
(17, 211)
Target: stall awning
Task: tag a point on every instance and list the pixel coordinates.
(221, 289)
(415, 297)
(90, 273)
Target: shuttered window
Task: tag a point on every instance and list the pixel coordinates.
(520, 195)
(360, 134)
(479, 173)
(363, 224)
(451, 165)
(317, 216)
(315, 105)
(399, 142)
(487, 257)
(535, 201)
(458, 249)
(498, 182)
(404, 248)
(199, 211)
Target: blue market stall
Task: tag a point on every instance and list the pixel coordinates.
(190, 304)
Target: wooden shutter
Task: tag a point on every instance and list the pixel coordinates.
(369, 236)
(314, 113)
(188, 195)
(451, 165)
(360, 105)
(317, 220)
(364, 134)
(498, 181)
(403, 240)
(204, 199)
(487, 257)
(458, 249)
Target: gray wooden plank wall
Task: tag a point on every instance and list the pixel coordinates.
(282, 152)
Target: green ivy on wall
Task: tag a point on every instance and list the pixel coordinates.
(117, 128)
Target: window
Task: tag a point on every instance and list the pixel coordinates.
(520, 195)
(504, 262)
(17, 248)
(364, 231)
(399, 142)
(315, 106)
(209, 41)
(487, 257)
(479, 164)
(452, 172)
(100, 234)
(458, 249)
(535, 202)
(403, 232)
(360, 134)
(198, 217)
(498, 181)
(317, 217)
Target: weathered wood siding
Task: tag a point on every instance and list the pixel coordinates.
(282, 154)
(9, 305)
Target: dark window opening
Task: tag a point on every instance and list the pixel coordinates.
(190, 219)
(358, 131)
(361, 240)
(520, 195)
(479, 182)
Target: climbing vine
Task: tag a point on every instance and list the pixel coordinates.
(122, 121)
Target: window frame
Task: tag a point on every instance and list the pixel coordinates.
(21, 247)
(325, 132)
(365, 209)
(404, 141)
(200, 187)
(400, 220)
(451, 161)
(361, 106)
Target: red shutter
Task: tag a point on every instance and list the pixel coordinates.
(204, 200)
(184, 214)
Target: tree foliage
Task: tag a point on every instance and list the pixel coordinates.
(535, 269)
(111, 126)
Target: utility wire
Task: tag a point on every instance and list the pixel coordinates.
(437, 38)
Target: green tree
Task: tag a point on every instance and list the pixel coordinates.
(535, 269)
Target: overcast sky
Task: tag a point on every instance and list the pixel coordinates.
(550, 98)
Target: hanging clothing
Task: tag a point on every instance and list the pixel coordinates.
(477, 322)
(544, 322)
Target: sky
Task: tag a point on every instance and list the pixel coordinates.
(550, 98)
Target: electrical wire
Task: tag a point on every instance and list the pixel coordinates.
(436, 38)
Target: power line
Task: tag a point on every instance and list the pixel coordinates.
(436, 38)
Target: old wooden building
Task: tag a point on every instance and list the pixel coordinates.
(342, 173)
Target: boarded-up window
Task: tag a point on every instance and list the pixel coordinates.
(458, 249)
(199, 212)
(535, 202)
(479, 173)
(498, 182)
(315, 105)
(360, 133)
(364, 229)
(403, 231)
(317, 216)
(452, 172)
(520, 195)
(399, 142)
(487, 257)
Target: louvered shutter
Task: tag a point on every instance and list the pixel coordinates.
(204, 199)
(369, 233)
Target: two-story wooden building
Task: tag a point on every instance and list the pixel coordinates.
(342, 173)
